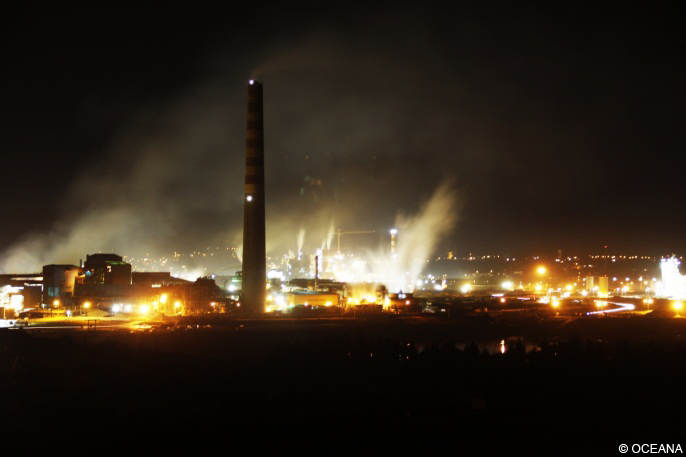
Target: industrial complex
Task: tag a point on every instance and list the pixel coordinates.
(332, 282)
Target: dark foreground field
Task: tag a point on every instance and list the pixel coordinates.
(407, 387)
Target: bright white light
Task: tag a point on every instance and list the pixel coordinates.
(465, 288)
(620, 307)
(251, 82)
(507, 285)
(673, 284)
(394, 231)
(249, 198)
(274, 274)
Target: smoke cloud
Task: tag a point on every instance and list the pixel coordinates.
(343, 141)
(417, 239)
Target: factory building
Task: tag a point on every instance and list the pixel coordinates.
(58, 285)
(254, 254)
(311, 298)
(597, 285)
(107, 283)
(105, 279)
(106, 269)
(403, 303)
(19, 291)
(171, 296)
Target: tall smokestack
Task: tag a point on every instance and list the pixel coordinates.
(254, 256)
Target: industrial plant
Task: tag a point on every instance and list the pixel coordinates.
(403, 276)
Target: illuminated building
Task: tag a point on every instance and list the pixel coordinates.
(673, 283)
(19, 292)
(106, 269)
(254, 257)
(107, 283)
(311, 298)
(598, 285)
(103, 276)
(403, 302)
(58, 283)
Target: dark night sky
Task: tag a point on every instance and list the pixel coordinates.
(559, 124)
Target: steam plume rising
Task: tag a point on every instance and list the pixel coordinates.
(418, 237)
(329, 236)
(301, 240)
(165, 181)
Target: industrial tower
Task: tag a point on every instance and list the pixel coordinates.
(254, 256)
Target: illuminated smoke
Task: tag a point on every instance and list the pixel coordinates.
(163, 172)
(329, 236)
(172, 177)
(301, 240)
(418, 237)
(239, 252)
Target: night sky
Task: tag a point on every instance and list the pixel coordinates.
(554, 124)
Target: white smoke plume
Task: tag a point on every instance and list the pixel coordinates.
(301, 239)
(171, 179)
(417, 239)
(329, 235)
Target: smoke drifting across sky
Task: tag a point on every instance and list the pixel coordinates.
(171, 179)
(366, 113)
